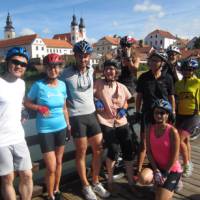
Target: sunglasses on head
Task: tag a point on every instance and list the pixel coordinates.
(160, 112)
(17, 62)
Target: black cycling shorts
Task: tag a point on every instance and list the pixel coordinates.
(84, 126)
(49, 141)
(117, 137)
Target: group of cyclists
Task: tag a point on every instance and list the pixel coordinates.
(69, 102)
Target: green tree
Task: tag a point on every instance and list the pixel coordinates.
(197, 43)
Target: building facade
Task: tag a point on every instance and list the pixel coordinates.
(160, 39)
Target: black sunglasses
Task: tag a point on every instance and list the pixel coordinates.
(17, 62)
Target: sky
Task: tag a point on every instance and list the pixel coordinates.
(103, 17)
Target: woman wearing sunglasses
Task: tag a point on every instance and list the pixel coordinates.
(48, 98)
(188, 104)
(163, 144)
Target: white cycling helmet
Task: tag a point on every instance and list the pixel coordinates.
(173, 48)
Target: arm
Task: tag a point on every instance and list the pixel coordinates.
(172, 101)
(175, 148)
(138, 102)
(149, 153)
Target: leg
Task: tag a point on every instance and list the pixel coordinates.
(26, 184)
(142, 153)
(110, 167)
(146, 176)
(7, 189)
(184, 149)
(97, 149)
(163, 194)
(81, 148)
(50, 161)
(59, 155)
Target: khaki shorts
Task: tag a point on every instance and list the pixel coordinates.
(14, 158)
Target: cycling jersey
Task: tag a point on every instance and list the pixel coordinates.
(188, 95)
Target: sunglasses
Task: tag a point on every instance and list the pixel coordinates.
(17, 62)
(52, 66)
(160, 113)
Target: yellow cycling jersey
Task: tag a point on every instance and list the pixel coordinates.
(188, 96)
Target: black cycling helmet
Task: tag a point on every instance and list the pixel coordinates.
(190, 63)
(111, 62)
(82, 47)
(165, 105)
(161, 54)
(17, 51)
(127, 41)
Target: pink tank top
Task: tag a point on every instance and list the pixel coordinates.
(160, 148)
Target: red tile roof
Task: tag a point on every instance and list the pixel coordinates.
(112, 40)
(190, 53)
(57, 43)
(63, 36)
(22, 40)
(162, 33)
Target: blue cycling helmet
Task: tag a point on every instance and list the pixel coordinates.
(17, 51)
(161, 54)
(82, 47)
(190, 63)
(165, 105)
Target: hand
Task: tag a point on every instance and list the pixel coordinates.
(99, 105)
(121, 112)
(43, 110)
(68, 135)
(158, 177)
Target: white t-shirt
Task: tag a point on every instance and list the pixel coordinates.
(11, 97)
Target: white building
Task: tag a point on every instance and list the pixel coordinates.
(160, 39)
(106, 44)
(36, 46)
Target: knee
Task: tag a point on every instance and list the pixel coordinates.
(7, 179)
(98, 149)
(26, 176)
(146, 176)
(81, 152)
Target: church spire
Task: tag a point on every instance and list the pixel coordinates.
(82, 24)
(9, 30)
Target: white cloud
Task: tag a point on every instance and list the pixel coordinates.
(147, 6)
(26, 31)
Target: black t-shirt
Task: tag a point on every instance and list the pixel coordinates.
(153, 89)
(127, 78)
(167, 69)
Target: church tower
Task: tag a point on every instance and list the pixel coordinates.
(74, 30)
(82, 29)
(9, 31)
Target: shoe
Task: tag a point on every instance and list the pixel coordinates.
(58, 196)
(88, 193)
(187, 171)
(100, 190)
(179, 186)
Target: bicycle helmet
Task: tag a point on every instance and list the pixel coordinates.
(173, 48)
(17, 51)
(190, 63)
(165, 105)
(161, 54)
(127, 41)
(82, 47)
(111, 62)
(52, 59)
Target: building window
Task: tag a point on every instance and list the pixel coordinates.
(156, 36)
(42, 48)
(150, 43)
(36, 47)
(156, 42)
(160, 41)
(37, 56)
(73, 38)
